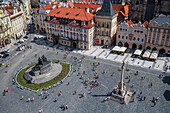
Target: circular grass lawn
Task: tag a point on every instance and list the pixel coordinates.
(20, 77)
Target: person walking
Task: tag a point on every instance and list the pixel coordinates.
(133, 100)
(22, 97)
(32, 98)
(144, 98)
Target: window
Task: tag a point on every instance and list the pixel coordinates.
(118, 36)
(98, 33)
(102, 33)
(158, 35)
(134, 38)
(153, 24)
(153, 41)
(9, 31)
(138, 39)
(103, 25)
(163, 36)
(168, 31)
(166, 43)
(156, 41)
(126, 37)
(159, 30)
(167, 37)
(155, 30)
(107, 34)
(142, 40)
(162, 43)
(164, 30)
(149, 40)
(107, 41)
(149, 34)
(122, 37)
(3, 34)
(154, 35)
(151, 29)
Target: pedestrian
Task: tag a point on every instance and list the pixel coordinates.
(32, 98)
(66, 106)
(22, 97)
(141, 93)
(144, 98)
(133, 100)
(154, 103)
(151, 84)
(157, 98)
(29, 99)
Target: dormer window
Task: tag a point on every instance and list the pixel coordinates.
(83, 23)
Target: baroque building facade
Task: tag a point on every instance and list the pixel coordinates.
(132, 35)
(6, 33)
(158, 37)
(71, 27)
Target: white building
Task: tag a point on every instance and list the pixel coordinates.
(131, 35)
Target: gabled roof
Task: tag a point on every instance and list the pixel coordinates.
(130, 23)
(6, 9)
(161, 19)
(48, 6)
(71, 13)
(145, 24)
(92, 7)
(117, 7)
(107, 9)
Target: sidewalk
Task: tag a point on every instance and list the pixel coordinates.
(105, 54)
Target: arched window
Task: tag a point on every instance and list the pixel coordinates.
(103, 25)
(107, 33)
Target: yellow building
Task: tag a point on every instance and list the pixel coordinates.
(6, 33)
(17, 20)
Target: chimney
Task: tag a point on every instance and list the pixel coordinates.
(87, 10)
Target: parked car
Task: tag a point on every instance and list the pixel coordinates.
(1, 55)
(17, 43)
(8, 51)
(25, 39)
(5, 55)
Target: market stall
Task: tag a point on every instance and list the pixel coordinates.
(146, 54)
(137, 53)
(154, 55)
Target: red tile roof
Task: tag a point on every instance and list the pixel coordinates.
(145, 23)
(71, 13)
(130, 23)
(117, 7)
(6, 8)
(92, 7)
(37, 8)
(48, 6)
(16, 15)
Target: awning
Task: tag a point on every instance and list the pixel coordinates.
(119, 49)
(146, 54)
(154, 55)
(137, 52)
(116, 48)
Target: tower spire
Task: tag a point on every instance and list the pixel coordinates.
(107, 9)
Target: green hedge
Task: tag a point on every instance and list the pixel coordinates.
(23, 82)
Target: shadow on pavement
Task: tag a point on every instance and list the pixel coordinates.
(166, 79)
(167, 95)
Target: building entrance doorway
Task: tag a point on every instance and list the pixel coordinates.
(74, 45)
(102, 41)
